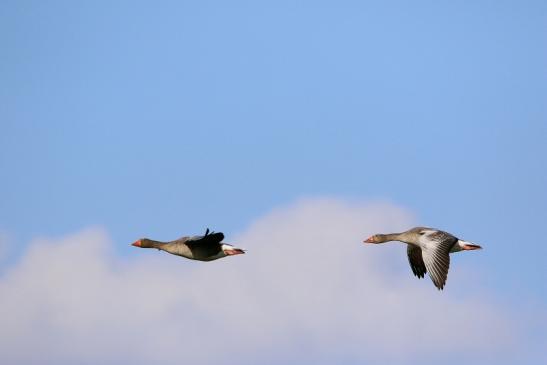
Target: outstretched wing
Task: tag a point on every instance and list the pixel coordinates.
(416, 261)
(436, 247)
(204, 246)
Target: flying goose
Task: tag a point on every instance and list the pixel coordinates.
(428, 250)
(202, 248)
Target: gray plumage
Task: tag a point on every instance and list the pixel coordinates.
(428, 251)
(208, 247)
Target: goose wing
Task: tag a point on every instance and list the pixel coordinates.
(208, 239)
(203, 246)
(208, 244)
(435, 246)
(416, 261)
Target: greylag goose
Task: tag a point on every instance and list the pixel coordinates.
(428, 250)
(202, 248)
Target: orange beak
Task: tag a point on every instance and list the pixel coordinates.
(370, 240)
(136, 243)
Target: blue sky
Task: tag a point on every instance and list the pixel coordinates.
(162, 119)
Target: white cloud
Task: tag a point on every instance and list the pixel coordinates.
(308, 290)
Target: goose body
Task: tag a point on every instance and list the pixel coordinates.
(428, 250)
(208, 247)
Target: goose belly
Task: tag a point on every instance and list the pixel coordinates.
(179, 250)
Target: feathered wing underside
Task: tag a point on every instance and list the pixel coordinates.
(416, 261)
(435, 254)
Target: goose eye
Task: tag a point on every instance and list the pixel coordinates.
(422, 233)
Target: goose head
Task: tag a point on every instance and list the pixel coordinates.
(144, 243)
(377, 238)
